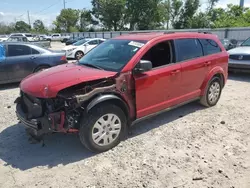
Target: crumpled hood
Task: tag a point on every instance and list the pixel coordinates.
(48, 83)
(240, 50)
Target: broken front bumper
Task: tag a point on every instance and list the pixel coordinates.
(38, 126)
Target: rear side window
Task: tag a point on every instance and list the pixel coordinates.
(18, 50)
(101, 41)
(93, 42)
(210, 46)
(188, 49)
(33, 51)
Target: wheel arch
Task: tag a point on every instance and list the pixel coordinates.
(216, 72)
(42, 65)
(112, 98)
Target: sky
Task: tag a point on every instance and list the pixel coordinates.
(47, 10)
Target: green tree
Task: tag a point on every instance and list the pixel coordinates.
(39, 26)
(110, 13)
(146, 15)
(22, 27)
(7, 28)
(165, 12)
(200, 20)
(187, 12)
(86, 20)
(67, 20)
(175, 11)
(232, 16)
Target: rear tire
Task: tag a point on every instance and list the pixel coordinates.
(79, 55)
(213, 93)
(103, 128)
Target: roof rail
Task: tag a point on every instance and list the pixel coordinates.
(136, 32)
(205, 32)
(169, 32)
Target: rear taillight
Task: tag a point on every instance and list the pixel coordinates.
(63, 58)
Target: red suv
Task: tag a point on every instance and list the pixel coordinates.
(122, 81)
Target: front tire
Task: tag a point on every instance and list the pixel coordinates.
(213, 93)
(103, 128)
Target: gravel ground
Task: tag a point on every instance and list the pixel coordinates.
(188, 147)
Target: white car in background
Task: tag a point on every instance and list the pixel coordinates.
(28, 35)
(80, 48)
(3, 38)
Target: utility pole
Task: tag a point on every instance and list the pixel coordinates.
(29, 17)
(168, 9)
(64, 4)
(242, 3)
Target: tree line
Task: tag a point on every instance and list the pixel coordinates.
(140, 15)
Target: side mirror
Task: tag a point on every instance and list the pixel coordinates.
(86, 44)
(143, 66)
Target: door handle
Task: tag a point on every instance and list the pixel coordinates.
(175, 72)
(32, 57)
(207, 63)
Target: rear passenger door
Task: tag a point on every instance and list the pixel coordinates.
(19, 61)
(92, 44)
(194, 67)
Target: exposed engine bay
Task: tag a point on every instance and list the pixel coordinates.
(63, 113)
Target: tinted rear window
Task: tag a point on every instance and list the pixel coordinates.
(210, 46)
(188, 49)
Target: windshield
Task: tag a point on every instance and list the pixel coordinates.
(246, 42)
(80, 42)
(113, 54)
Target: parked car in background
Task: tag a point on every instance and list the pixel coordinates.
(80, 48)
(56, 37)
(73, 40)
(123, 81)
(44, 44)
(239, 57)
(42, 37)
(29, 36)
(229, 43)
(22, 60)
(3, 37)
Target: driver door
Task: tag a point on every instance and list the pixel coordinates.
(156, 88)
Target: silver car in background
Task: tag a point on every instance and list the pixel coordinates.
(239, 58)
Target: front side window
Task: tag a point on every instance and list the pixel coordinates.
(210, 46)
(112, 55)
(18, 50)
(160, 54)
(80, 42)
(188, 49)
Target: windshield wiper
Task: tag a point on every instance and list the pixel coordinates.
(93, 66)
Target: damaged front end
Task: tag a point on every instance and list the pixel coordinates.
(60, 114)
